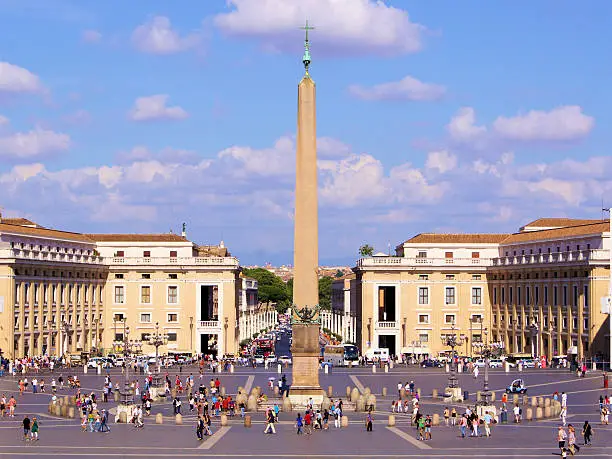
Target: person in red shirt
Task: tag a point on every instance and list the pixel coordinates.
(308, 423)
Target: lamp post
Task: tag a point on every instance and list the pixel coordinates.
(452, 341)
(191, 333)
(127, 397)
(225, 325)
(487, 350)
(157, 339)
(369, 332)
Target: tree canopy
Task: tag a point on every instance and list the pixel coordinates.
(325, 290)
(366, 250)
(271, 288)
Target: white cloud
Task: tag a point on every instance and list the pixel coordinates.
(4, 120)
(342, 26)
(155, 108)
(17, 79)
(91, 36)
(442, 161)
(156, 36)
(561, 123)
(408, 88)
(78, 117)
(278, 160)
(34, 143)
(462, 126)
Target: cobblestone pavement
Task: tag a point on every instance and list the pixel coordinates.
(62, 437)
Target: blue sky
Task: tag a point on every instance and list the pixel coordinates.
(446, 116)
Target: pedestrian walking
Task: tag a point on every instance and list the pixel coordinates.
(270, 423)
(299, 423)
(369, 421)
(587, 432)
(561, 438)
(26, 427)
(571, 440)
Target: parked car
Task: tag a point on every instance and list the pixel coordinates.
(271, 358)
(480, 363)
(285, 359)
(259, 358)
(119, 361)
(528, 363)
(517, 387)
(430, 363)
(102, 361)
(496, 363)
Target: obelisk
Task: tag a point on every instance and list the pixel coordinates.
(306, 349)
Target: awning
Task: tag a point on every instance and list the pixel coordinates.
(416, 350)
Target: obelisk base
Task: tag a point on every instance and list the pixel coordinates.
(305, 353)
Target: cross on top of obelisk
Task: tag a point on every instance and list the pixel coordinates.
(306, 58)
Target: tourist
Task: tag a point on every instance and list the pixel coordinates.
(561, 437)
(587, 432)
(12, 404)
(270, 423)
(369, 421)
(488, 420)
(563, 415)
(454, 417)
(428, 423)
(563, 399)
(571, 440)
(463, 425)
(446, 416)
(200, 428)
(308, 423)
(26, 427)
(517, 413)
(299, 423)
(420, 422)
(34, 429)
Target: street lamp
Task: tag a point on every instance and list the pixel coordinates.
(191, 332)
(487, 350)
(534, 328)
(157, 339)
(225, 336)
(129, 347)
(452, 341)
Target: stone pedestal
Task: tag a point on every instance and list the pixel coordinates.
(453, 394)
(481, 410)
(305, 352)
(127, 409)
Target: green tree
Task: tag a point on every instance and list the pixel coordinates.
(366, 250)
(271, 288)
(325, 288)
(339, 273)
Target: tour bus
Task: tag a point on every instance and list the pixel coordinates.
(514, 359)
(341, 355)
(378, 354)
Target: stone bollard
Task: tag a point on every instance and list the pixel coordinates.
(123, 417)
(541, 402)
(224, 421)
(330, 391)
(64, 411)
(232, 368)
(247, 420)
(99, 369)
(345, 420)
(547, 412)
(436, 419)
(539, 413)
(50, 408)
(546, 402)
(529, 414)
(178, 419)
(70, 412)
(360, 404)
(173, 392)
(373, 368)
(391, 422)
(279, 369)
(325, 403)
(348, 392)
(223, 391)
(287, 405)
(66, 400)
(367, 391)
(506, 367)
(326, 369)
(419, 393)
(391, 364)
(459, 368)
(534, 401)
(525, 400)
(478, 396)
(159, 418)
(402, 393)
(354, 394)
(276, 391)
(84, 369)
(492, 396)
(252, 403)
(515, 398)
(387, 368)
(446, 368)
(434, 394)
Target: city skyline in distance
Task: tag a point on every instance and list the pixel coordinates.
(450, 122)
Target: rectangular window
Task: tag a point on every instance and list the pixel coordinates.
(476, 277)
(476, 338)
(519, 299)
(423, 295)
(144, 337)
(527, 296)
(424, 337)
(172, 317)
(545, 321)
(172, 276)
(511, 295)
(476, 295)
(536, 299)
(173, 254)
(450, 277)
(146, 254)
(494, 295)
(145, 317)
(422, 255)
(423, 277)
(423, 318)
(119, 294)
(585, 324)
(120, 253)
(494, 319)
(172, 294)
(475, 254)
(118, 317)
(145, 294)
(565, 295)
(575, 296)
(171, 337)
(586, 296)
(118, 276)
(574, 323)
(564, 323)
(448, 254)
(449, 318)
(449, 296)
(503, 295)
(146, 276)
(118, 336)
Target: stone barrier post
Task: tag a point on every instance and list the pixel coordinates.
(159, 419)
(391, 421)
(178, 419)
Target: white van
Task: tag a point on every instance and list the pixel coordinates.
(378, 354)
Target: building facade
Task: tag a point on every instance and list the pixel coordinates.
(341, 319)
(536, 291)
(254, 317)
(63, 292)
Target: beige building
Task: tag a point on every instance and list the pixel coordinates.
(342, 318)
(63, 292)
(537, 291)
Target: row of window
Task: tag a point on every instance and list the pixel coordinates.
(172, 294)
(447, 255)
(146, 276)
(502, 317)
(449, 319)
(147, 317)
(450, 277)
(52, 321)
(172, 337)
(568, 248)
(450, 296)
(529, 296)
(89, 291)
(145, 254)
